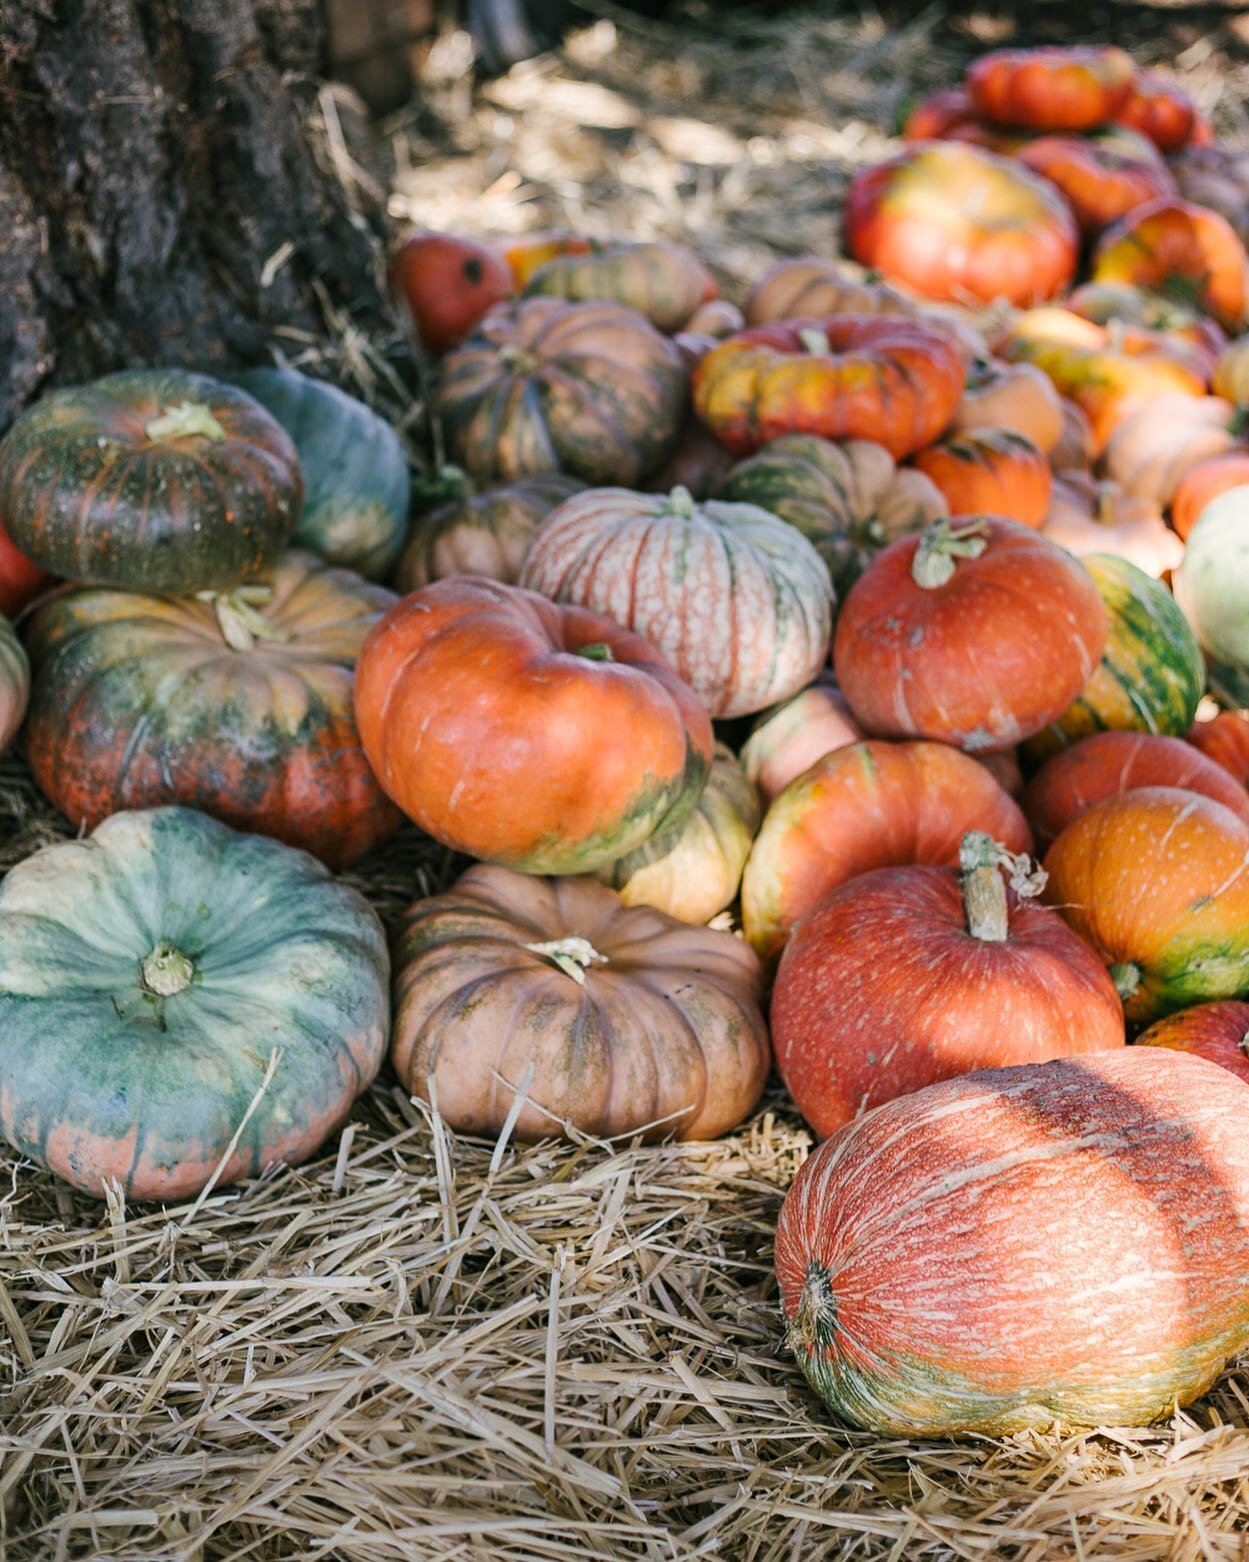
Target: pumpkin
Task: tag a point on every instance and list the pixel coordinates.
(1050, 89)
(953, 221)
(1016, 397)
(694, 872)
(864, 806)
(896, 382)
(239, 706)
(1103, 176)
(1203, 482)
(849, 499)
(1107, 302)
(1176, 247)
(1074, 451)
(809, 287)
(1150, 677)
(1157, 108)
(529, 252)
(1107, 763)
(546, 386)
(178, 1000)
(699, 462)
(1218, 1032)
(976, 633)
(448, 283)
(1004, 767)
(905, 976)
(737, 601)
(1054, 1246)
(14, 683)
(1091, 517)
(936, 114)
(716, 317)
(990, 472)
(484, 532)
(1155, 446)
(356, 485)
(155, 478)
(1225, 740)
(593, 1016)
(790, 737)
(1157, 881)
(1216, 176)
(663, 281)
(1210, 586)
(546, 738)
(20, 580)
(1231, 373)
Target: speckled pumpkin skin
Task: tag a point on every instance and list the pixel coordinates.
(101, 1077)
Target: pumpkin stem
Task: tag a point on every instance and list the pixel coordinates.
(184, 421)
(681, 502)
(984, 891)
(572, 955)
(813, 339)
(812, 1326)
(1127, 978)
(941, 544)
(598, 651)
(238, 616)
(166, 971)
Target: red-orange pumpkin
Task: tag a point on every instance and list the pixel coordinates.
(1203, 482)
(1157, 108)
(1218, 1032)
(937, 114)
(1225, 740)
(20, 580)
(448, 284)
(1051, 89)
(1103, 176)
(990, 472)
(1176, 247)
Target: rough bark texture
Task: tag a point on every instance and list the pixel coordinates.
(153, 160)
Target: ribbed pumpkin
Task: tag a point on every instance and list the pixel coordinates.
(1157, 881)
(1017, 397)
(737, 601)
(849, 499)
(865, 806)
(151, 977)
(1159, 109)
(1174, 245)
(1211, 586)
(1051, 88)
(1177, 321)
(356, 485)
(1218, 1032)
(1150, 677)
(663, 281)
(976, 633)
(608, 1020)
(905, 976)
(1086, 516)
(14, 683)
(240, 706)
(694, 871)
(1103, 176)
(1225, 740)
(546, 386)
(790, 737)
(805, 287)
(1063, 1245)
(990, 472)
(153, 478)
(546, 738)
(1153, 448)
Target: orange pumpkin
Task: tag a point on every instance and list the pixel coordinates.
(990, 472)
(1161, 440)
(20, 580)
(790, 737)
(1218, 1032)
(810, 287)
(1051, 89)
(937, 114)
(1017, 397)
(1108, 302)
(1157, 108)
(1086, 517)
(1225, 740)
(1216, 175)
(1103, 176)
(1176, 247)
(1203, 482)
(448, 284)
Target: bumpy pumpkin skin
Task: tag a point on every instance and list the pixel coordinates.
(1100, 1211)
(1174, 244)
(140, 701)
(1218, 1032)
(664, 1036)
(108, 483)
(790, 737)
(1225, 740)
(1157, 881)
(118, 1064)
(663, 281)
(1051, 89)
(545, 738)
(990, 472)
(1210, 587)
(14, 683)
(864, 806)
(1157, 108)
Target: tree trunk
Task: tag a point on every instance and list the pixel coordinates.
(159, 199)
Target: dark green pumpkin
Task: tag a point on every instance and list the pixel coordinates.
(356, 483)
(154, 478)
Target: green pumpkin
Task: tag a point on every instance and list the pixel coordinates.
(14, 683)
(153, 975)
(356, 482)
(1212, 587)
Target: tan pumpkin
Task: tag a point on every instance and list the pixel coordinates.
(1086, 516)
(1231, 373)
(809, 286)
(605, 1019)
(1016, 397)
(1158, 442)
(663, 281)
(793, 735)
(1074, 450)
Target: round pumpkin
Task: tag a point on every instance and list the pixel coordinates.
(1225, 740)
(546, 738)
(905, 976)
(20, 580)
(1176, 246)
(547, 386)
(1150, 677)
(154, 478)
(848, 498)
(1155, 446)
(1106, 303)
(738, 601)
(936, 114)
(178, 1000)
(976, 633)
(865, 806)
(953, 221)
(1051, 88)
(1157, 108)
(1054, 1246)
(484, 532)
(663, 281)
(1211, 585)
(808, 287)
(1102, 176)
(1218, 1032)
(448, 284)
(694, 872)
(527, 253)
(1216, 176)
(239, 706)
(1086, 517)
(790, 737)
(990, 471)
(602, 1019)
(1016, 397)
(1203, 482)
(14, 683)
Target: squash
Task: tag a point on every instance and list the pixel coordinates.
(1177, 247)
(20, 580)
(710, 323)
(808, 287)
(1170, 319)
(154, 478)
(1074, 451)
(546, 386)
(977, 633)
(527, 253)
(14, 683)
(1051, 88)
(1017, 397)
(1104, 176)
(1218, 1032)
(905, 976)
(1150, 677)
(790, 737)
(1157, 108)
(1216, 175)
(1225, 740)
(239, 705)
(990, 472)
(178, 1000)
(545, 738)
(864, 806)
(663, 281)
(1231, 372)
(694, 872)
(1086, 517)
(448, 283)
(1210, 587)
(1156, 445)
(699, 462)
(937, 114)
(737, 601)
(1043, 1248)
(1203, 482)
(848, 498)
(593, 1017)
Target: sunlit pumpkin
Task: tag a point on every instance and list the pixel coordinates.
(990, 472)
(1159, 109)
(1051, 89)
(1103, 176)
(1183, 249)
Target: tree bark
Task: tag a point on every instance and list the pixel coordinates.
(160, 201)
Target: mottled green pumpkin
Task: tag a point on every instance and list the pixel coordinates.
(356, 483)
(14, 683)
(151, 977)
(154, 478)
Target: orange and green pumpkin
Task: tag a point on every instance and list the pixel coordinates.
(789, 738)
(1218, 1032)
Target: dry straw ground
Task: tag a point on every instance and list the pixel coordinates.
(422, 1346)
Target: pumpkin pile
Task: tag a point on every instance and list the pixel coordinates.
(814, 679)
